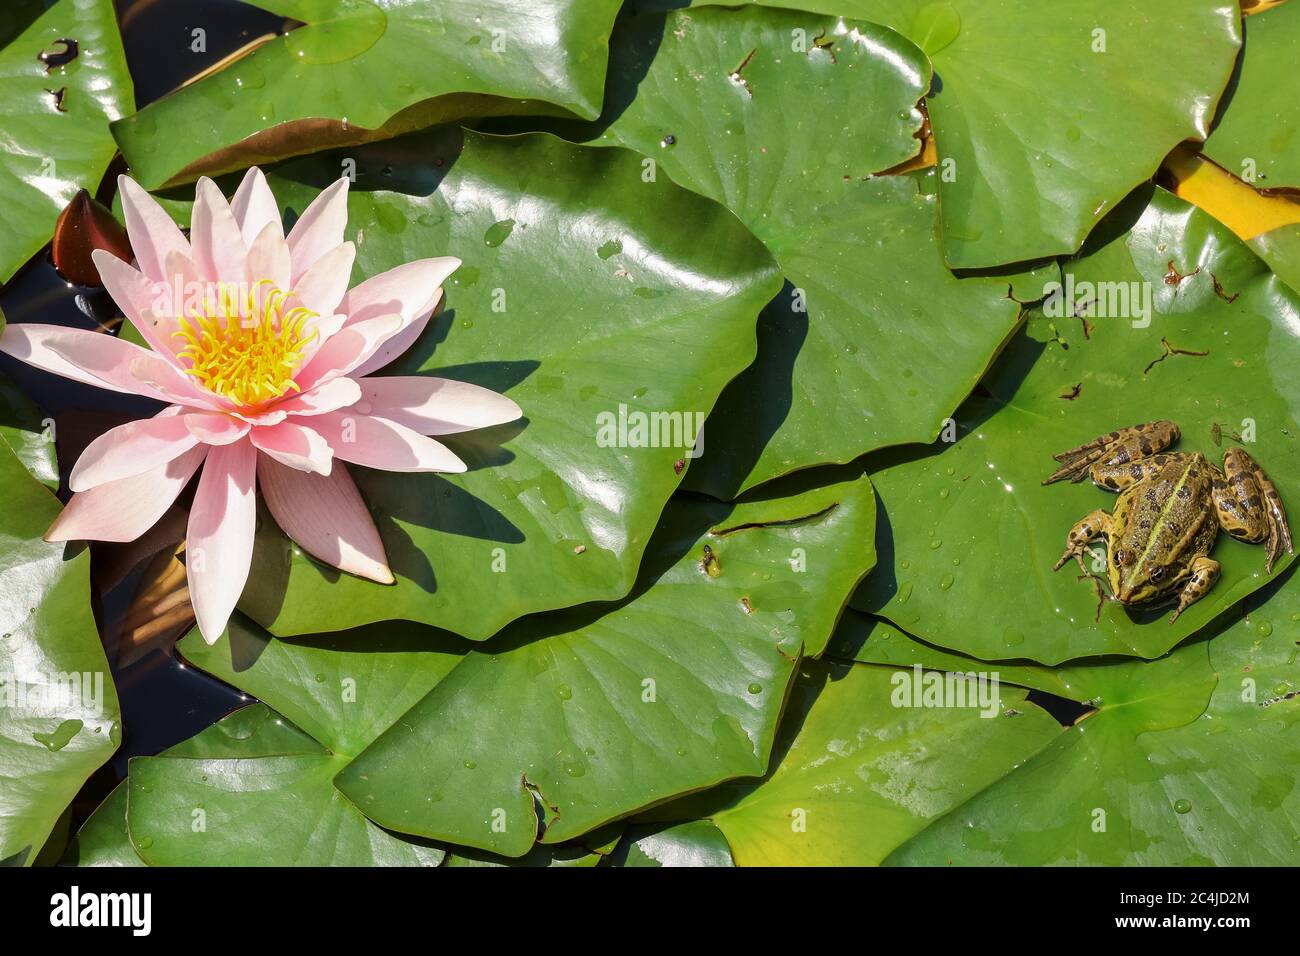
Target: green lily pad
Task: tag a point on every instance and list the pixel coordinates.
(1038, 148)
(990, 529)
(578, 857)
(1257, 136)
(694, 843)
(59, 717)
(1156, 777)
(28, 434)
(580, 854)
(266, 803)
(357, 71)
(873, 342)
(1280, 248)
(601, 711)
(252, 731)
(873, 640)
(861, 770)
(342, 688)
(264, 811)
(551, 512)
(55, 122)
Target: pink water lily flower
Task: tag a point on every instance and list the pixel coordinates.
(262, 356)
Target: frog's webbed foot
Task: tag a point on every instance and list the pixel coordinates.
(1205, 571)
(1249, 507)
(1087, 529)
(1105, 457)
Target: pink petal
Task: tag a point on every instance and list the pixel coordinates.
(326, 516)
(412, 290)
(295, 445)
(268, 258)
(385, 445)
(408, 290)
(167, 384)
(131, 449)
(267, 417)
(141, 299)
(219, 543)
(214, 428)
(219, 250)
(189, 293)
(322, 287)
(95, 359)
(320, 228)
(125, 509)
(347, 348)
(254, 207)
(319, 330)
(435, 406)
(400, 342)
(153, 233)
(331, 396)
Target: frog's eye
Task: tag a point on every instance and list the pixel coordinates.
(1157, 572)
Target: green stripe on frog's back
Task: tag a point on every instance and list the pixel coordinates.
(1171, 501)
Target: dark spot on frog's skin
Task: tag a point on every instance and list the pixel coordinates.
(1184, 492)
(1144, 524)
(1151, 495)
(1252, 501)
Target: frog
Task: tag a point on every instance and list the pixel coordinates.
(1172, 506)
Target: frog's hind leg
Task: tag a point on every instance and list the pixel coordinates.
(1087, 529)
(1205, 571)
(1113, 450)
(1248, 505)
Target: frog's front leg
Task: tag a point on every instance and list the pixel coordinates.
(1087, 529)
(1248, 505)
(1205, 571)
(1106, 455)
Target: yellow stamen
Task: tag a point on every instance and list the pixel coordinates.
(246, 351)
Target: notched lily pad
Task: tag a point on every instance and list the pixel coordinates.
(859, 767)
(1257, 134)
(1167, 316)
(873, 341)
(59, 716)
(1036, 150)
(357, 71)
(260, 792)
(1187, 762)
(568, 721)
(63, 78)
(555, 509)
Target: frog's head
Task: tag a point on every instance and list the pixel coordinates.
(1135, 579)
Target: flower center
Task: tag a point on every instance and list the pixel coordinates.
(246, 351)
